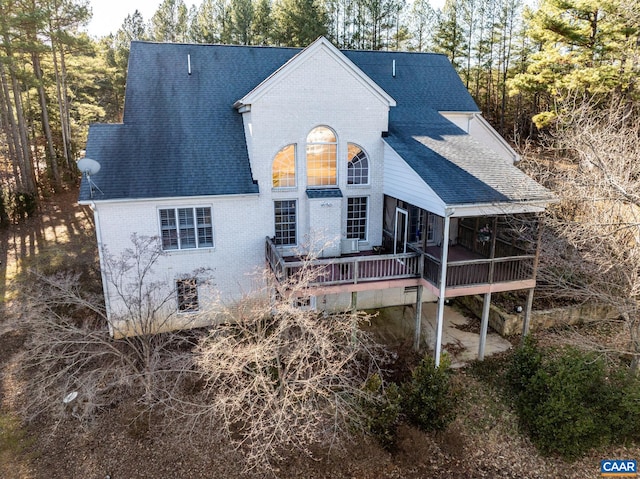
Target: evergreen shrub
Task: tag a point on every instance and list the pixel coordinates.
(429, 400)
(569, 402)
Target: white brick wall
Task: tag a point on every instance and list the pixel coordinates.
(239, 229)
(318, 91)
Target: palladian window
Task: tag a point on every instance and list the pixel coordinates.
(284, 168)
(322, 147)
(358, 166)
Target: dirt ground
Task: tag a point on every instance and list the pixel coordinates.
(483, 442)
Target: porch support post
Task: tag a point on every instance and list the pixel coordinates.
(418, 324)
(494, 237)
(527, 314)
(484, 325)
(526, 324)
(443, 285)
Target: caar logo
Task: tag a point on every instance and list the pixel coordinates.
(618, 468)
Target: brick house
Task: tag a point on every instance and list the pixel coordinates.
(239, 156)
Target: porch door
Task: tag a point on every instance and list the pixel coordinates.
(400, 230)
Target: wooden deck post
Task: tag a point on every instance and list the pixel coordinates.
(418, 323)
(354, 301)
(526, 324)
(484, 325)
(527, 314)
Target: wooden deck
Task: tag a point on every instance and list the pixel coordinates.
(347, 269)
(467, 272)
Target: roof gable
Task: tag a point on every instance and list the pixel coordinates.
(181, 135)
(460, 170)
(321, 44)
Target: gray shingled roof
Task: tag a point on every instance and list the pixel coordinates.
(424, 82)
(459, 169)
(181, 135)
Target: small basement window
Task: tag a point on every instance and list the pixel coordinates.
(187, 291)
(305, 303)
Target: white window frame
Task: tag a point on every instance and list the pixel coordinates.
(187, 305)
(177, 229)
(309, 145)
(366, 218)
(305, 303)
(295, 223)
(295, 168)
(352, 169)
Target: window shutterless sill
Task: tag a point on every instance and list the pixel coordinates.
(171, 252)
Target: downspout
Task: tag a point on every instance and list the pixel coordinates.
(105, 290)
(443, 283)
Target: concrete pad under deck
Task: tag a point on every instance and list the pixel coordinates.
(395, 327)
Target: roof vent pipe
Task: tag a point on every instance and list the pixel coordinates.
(393, 69)
(189, 63)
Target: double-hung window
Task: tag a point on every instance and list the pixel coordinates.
(357, 218)
(186, 228)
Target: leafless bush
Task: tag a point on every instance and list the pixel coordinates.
(281, 376)
(70, 350)
(271, 375)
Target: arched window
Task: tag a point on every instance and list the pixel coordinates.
(284, 168)
(358, 165)
(322, 148)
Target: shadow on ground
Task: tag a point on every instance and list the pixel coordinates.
(395, 327)
(60, 237)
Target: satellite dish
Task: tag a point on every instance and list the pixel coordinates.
(88, 166)
(70, 397)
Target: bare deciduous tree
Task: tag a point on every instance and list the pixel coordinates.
(591, 251)
(271, 373)
(70, 349)
(280, 375)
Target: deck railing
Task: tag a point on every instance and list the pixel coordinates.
(275, 260)
(414, 264)
(479, 271)
(346, 269)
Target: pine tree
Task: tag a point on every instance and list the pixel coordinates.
(263, 30)
(449, 37)
(587, 48)
(299, 22)
(169, 22)
(242, 21)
